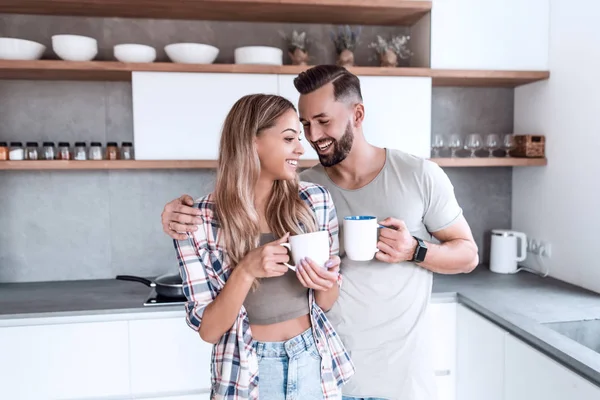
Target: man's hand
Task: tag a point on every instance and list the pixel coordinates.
(395, 244)
(179, 216)
(313, 276)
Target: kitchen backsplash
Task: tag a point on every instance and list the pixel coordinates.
(66, 225)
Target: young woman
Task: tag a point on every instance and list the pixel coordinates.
(271, 337)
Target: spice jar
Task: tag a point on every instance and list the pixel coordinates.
(112, 151)
(95, 151)
(63, 151)
(16, 151)
(48, 152)
(126, 151)
(3, 151)
(80, 153)
(31, 151)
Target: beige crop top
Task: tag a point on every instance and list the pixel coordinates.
(276, 299)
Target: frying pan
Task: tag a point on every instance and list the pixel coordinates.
(168, 285)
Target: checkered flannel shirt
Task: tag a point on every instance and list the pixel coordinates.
(204, 270)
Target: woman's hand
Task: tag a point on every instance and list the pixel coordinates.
(319, 278)
(267, 261)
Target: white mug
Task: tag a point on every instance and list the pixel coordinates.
(313, 245)
(360, 237)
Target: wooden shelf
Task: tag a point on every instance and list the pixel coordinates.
(364, 12)
(211, 164)
(490, 162)
(105, 164)
(118, 71)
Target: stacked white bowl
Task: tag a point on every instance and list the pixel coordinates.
(134, 53)
(75, 47)
(191, 53)
(258, 55)
(20, 49)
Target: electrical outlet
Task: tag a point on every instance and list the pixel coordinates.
(539, 247)
(545, 249)
(532, 246)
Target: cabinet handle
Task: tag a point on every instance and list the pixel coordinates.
(443, 372)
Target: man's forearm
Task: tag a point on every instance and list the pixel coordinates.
(451, 257)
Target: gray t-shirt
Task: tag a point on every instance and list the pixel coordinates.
(381, 309)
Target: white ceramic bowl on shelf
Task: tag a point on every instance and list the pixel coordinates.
(20, 49)
(75, 47)
(134, 53)
(191, 53)
(258, 55)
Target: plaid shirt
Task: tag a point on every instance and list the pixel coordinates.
(204, 270)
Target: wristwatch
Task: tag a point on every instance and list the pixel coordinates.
(420, 251)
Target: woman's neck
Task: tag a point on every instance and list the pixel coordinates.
(262, 192)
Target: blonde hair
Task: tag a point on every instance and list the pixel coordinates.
(238, 172)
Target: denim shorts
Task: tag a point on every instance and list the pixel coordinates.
(289, 370)
(362, 398)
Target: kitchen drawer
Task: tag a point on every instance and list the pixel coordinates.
(167, 357)
(445, 385)
(64, 361)
(442, 325)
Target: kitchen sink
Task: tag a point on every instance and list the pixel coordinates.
(585, 332)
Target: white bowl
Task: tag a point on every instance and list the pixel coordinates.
(20, 49)
(191, 53)
(134, 53)
(258, 55)
(75, 47)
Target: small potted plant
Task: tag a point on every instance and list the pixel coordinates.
(390, 51)
(297, 46)
(345, 42)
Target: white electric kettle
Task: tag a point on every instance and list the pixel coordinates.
(506, 251)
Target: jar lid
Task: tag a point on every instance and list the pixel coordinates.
(96, 144)
(127, 144)
(3, 144)
(80, 144)
(32, 144)
(16, 144)
(48, 144)
(112, 144)
(63, 144)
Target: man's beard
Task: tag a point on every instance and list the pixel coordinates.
(341, 149)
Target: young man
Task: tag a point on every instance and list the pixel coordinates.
(382, 304)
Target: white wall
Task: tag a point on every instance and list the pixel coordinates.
(561, 202)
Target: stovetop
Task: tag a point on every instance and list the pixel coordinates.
(155, 299)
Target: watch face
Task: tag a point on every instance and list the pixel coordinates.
(421, 251)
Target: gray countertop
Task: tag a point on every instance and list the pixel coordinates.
(520, 303)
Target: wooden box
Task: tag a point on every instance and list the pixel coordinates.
(530, 146)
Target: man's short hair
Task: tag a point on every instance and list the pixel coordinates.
(346, 86)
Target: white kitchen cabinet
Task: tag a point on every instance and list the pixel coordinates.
(441, 320)
(480, 357)
(288, 90)
(398, 113)
(70, 361)
(179, 116)
(167, 356)
(532, 375)
(199, 396)
(490, 34)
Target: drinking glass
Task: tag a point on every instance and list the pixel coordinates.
(454, 144)
(437, 145)
(508, 144)
(473, 143)
(492, 142)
